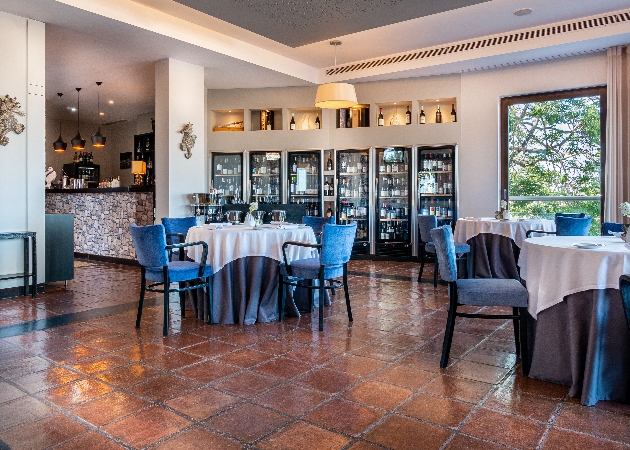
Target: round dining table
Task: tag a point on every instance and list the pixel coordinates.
(245, 266)
(578, 334)
(495, 244)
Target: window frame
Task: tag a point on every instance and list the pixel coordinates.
(506, 102)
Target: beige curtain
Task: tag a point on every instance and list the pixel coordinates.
(617, 172)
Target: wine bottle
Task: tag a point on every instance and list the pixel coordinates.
(329, 212)
(423, 117)
(408, 117)
(381, 121)
(317, 122)
(329, 163)
(453, 113)
(438, 115)
(326, 187)
(292, 123)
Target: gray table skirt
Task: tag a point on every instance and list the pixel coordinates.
(583, 343)
(245, 291)
(494, 256)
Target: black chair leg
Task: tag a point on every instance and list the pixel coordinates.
(332, 290)
(435, 273)
(345, 289)
(525, 357)
(167, 291)
(517, 335)
(469, 264)
(143, 288)
(422, 254)
(182, 299)
(448, 333)
(321, 299)
(210, 298)
(281, 296)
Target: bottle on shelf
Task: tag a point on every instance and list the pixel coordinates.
(329, 212)
(423, 117)
(453, 113)
(329, 163)
(381, 120)
(268, 125)
(408, 117)
(292, 123)
(318, 124)
(438, 115)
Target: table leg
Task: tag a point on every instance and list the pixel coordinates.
(34, 257)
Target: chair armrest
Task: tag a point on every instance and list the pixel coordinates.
(529, 233)
(287, 261)
(204, 254)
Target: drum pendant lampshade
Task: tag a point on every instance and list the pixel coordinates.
(98, 140)
(78, 143)
(59, 145)
(335, 95)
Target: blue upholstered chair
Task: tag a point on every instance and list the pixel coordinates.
(612, 227)
(317, 224)
(479, 292)
(331, 264)
(574, 215)
(176, 230)
(427, 249)
(624, 287)
(152, 253)
(567, 226)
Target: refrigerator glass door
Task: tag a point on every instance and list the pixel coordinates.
(227, 176)
(353, 190)
(265, 177)
(304, 181)
(436, 183)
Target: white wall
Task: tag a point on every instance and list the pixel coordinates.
(179, 99)
(22, 65)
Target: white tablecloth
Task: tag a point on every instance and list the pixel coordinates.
(237, 241)
(553, 268)
(514, 229)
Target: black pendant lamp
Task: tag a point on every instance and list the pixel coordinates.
(98, 140)
(59, 145)
(78, 143)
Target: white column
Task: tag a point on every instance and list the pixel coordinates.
(179, 99)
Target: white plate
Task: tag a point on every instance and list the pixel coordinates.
(587, 245)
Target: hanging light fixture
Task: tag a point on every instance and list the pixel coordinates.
(335, 95)
(59, 145)
(98, 140)
(78, 143)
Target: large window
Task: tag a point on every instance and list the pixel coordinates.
(553, 153)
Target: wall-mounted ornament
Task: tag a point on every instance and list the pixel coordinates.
(188, 140)
(9, 107)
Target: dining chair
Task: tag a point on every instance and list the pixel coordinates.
(427, 249)
(331, 264)
(176, 229)
(567, 226)
(317, 224)
(575, 215)
(612, 227)
(624, 287)
(479, 292)
(152, 254)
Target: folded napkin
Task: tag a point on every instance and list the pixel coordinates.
(288, 226)
(617, 234)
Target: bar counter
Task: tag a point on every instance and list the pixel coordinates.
(102, 217)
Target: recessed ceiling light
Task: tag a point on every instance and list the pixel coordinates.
(101, 114)
(523, 12)
(111, 102)
(72, 108)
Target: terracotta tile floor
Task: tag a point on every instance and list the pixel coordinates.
(76, 374)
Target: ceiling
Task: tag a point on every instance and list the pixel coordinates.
(118, 41)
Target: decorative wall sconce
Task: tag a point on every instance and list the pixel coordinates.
(188, 140)
(9, 108)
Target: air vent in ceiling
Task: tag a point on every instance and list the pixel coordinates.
(492, 41)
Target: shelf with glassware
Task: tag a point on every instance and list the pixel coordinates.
(227, 120)
(264, 177)
(393, 201)
(304, 119)
(393, 113)
(144, 150)
(356, 117)
(266, 119)
(353, 194)
(227, 176)
(437, 110)
(437, 183)
(304, 180)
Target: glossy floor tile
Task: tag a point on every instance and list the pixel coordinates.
(75, 373)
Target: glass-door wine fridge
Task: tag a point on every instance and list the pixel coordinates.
(264, 177)
(353, 195)
(304, 171)
(393, 201)
(227, 176)
(437, 184)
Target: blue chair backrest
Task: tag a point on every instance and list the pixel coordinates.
(150, 243)
(317, 223)
(577, 215)
(425, 225)
(445, 249)
(611, 226)
(337, 242)
(178, 225)
(573, 226)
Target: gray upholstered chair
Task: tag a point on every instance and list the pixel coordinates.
(427, 249)
(152, 253)
(567, 226)
(331, 264)
(624, 287)
(479, 292)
